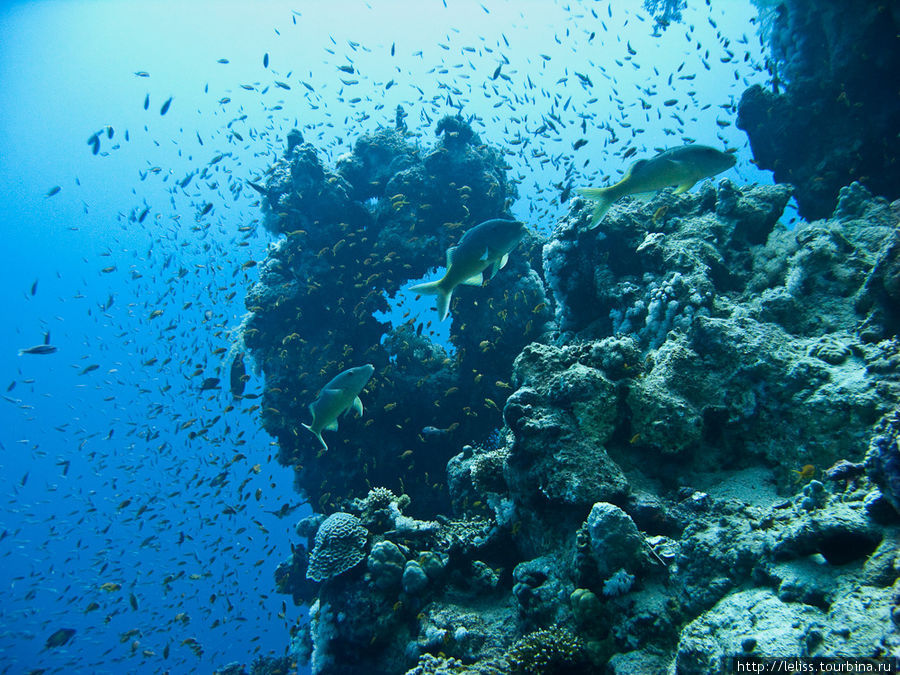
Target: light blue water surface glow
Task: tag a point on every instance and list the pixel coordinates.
(99, 480)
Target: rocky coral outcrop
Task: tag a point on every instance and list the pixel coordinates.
(353, 235)
(605, 399)
(739, 324)
(830, 63)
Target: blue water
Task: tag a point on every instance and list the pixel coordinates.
(106, 498)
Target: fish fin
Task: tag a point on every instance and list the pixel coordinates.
(317, 435)
(486, 255)
(428, 288)
(443, 303)
(450, 252)
(333, 426)
(603, 198)
(684, 187)
(357, 406)
(435, 288)
(474, 280)
(500, 264)
(644, 197)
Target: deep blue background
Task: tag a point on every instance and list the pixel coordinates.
(100, 481)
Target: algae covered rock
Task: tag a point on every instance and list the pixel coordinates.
(560, 425)
(354, 234)
(883, 458)
(616, 542)
(745, 623)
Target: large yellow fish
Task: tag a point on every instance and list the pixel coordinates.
(682, 167)
(339, 396)
(486, 244)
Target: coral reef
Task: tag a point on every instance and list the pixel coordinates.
(827, 121)
(779, 325)
(687, 394)
(354, 235)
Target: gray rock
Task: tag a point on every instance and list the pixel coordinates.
(414, 579)
(385, 563)
(775, 626)
(616, 542)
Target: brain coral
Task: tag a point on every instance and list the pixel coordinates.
(340, 544)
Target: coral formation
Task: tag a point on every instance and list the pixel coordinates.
(340, 545)
(830, 63)
(353, 236)
(687, 397)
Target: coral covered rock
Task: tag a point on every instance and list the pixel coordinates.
(883, 458)
(833, 59)
(658, 479)
(561, 418)
(340, 545)
(353, 236)
(615, 540)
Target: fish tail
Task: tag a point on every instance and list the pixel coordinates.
(317, 435)
(443, 296)
(603, 198)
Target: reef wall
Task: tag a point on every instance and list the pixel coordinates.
(646, 434)
(353, 235)
(691, 463)
(832, 115)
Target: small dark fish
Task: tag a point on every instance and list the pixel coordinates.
(110, 132)
(222, 61)
(54, 190)
(496, 72)
(285, 510)
(38, 349)
(89, 368)
(142, 73)
(209, 383)
(346, 69)
(34, 287)
(133, 601)
(434, 431)
(165, 106)
(147, 102)
(238, 375)
(393, 45)
(581, 142)
(266, 60)
(59, 638)
(206, 209)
